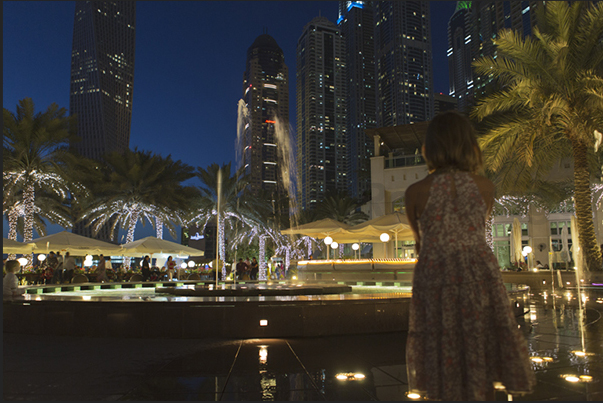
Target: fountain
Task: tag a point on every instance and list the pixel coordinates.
(309, 307)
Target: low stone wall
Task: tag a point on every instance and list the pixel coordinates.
(207, 319)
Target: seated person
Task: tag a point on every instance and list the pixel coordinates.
(11, 282)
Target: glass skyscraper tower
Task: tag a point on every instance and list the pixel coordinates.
(403, 62)
(102, 75)
(102, 79)
(356, 21)
(266, 97)
(322, 161)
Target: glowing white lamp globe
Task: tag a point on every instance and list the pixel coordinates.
(524, 253)
(183, 265)
(527, 249)
(41, 257)
(191, 264)
(384, 237)
(88, 257)
(328, 240)
(22, 261)
(334, 245)
(88, 263)
(355, 246)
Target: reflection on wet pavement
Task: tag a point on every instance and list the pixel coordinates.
(565, 344)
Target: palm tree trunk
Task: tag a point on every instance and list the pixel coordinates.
(130, 235)
(159, 227)
(262, 268)
(13, 217)
(28, 209)
(584, 208)
(222, 248)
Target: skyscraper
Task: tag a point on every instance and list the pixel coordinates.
(470, 32)
(356, 21)
(403, 62)
(102, 79)
(102, 75)
(322, 163)
(266, 96)
(461, 36)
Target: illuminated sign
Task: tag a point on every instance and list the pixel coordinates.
(196, 237)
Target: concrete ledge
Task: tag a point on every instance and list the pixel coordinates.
(210, 319)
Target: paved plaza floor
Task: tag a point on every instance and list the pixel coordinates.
(68, 368)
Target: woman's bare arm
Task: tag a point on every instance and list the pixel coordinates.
(411, 213)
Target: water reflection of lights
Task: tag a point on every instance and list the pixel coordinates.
(350, 376)
(581, 353)
(413, 395)
(263, 354)
(575, 378)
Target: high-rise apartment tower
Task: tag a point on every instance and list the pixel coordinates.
(322, 164)
(403, 62)
(470, 32)
(356, 21)
(266, 97)
(102, 79)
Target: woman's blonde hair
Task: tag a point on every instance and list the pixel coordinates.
(450, 142)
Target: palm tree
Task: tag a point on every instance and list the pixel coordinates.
(35, 156)
(234, 203)
(341, 207)
(550, 106)
(138, 186)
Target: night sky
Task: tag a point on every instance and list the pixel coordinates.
(189, 63)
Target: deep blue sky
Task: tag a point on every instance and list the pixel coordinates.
(189, 64)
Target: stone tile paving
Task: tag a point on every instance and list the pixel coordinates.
(68, 368)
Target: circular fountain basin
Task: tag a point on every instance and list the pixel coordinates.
(193, 310)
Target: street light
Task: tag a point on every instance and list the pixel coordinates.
(328, 241)
(191, 264)
(41, 257)
(384, 238)
(334, 245)
(355, 246)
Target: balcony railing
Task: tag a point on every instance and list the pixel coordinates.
(404, 161)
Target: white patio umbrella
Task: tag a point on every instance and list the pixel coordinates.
(317, 229)
(515, 241)
(76, 245)
(153, 246)
(12, 246)
(396, 223)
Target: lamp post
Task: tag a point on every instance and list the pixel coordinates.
(328, 241)
(334, 245)
(527, 250)
(384, 238)
(355, 246)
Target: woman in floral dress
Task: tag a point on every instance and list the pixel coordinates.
(462, 335)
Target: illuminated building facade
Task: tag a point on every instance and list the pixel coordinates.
(102, 79)
(356, 21)
(403, 62)
(322, 163)
(470, 32)
(266, 96)
(460, 38)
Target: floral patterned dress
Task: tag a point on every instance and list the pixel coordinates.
(462, 336)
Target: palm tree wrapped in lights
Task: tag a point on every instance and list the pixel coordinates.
(35, 156)
(233, 201)
(139, 186)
